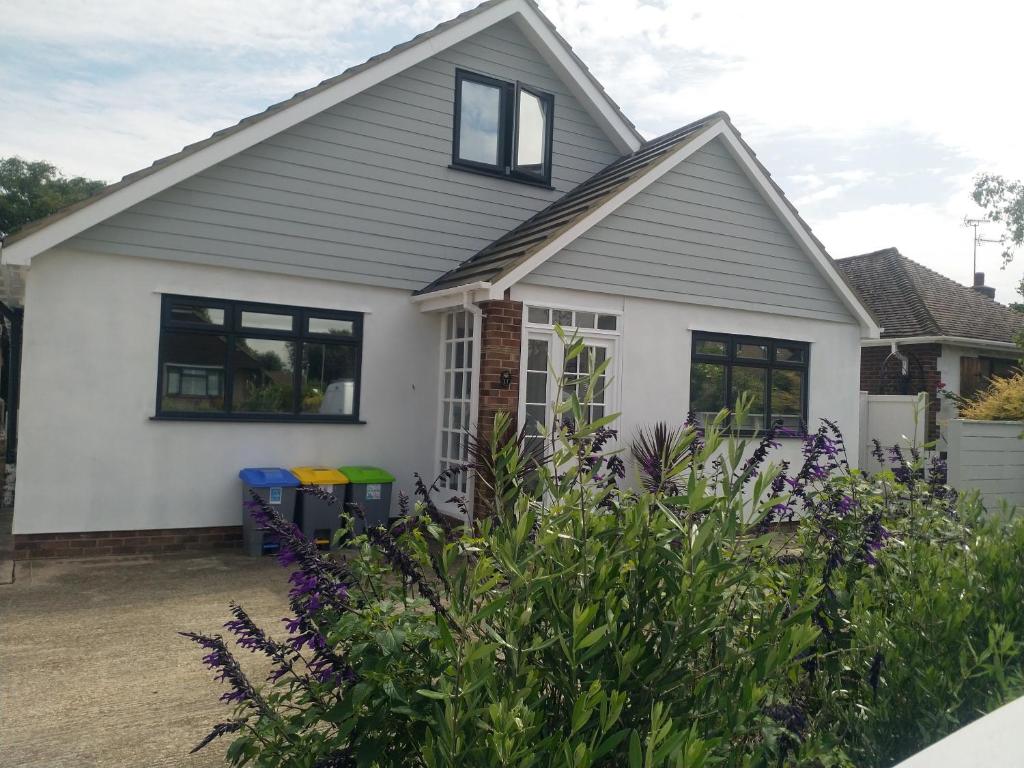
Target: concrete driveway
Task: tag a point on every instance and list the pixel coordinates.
(92, 672)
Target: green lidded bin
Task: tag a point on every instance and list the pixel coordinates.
(370, 489)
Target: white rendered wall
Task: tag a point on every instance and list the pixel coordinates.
(654, 358)
(89, 456)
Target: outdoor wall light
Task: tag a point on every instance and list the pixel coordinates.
(506, 379)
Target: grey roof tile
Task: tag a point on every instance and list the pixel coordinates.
(912, 300)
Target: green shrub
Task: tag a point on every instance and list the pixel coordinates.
(1002, 400)
(586, 624)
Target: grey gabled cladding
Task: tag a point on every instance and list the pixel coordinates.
(362, 192)
(703, 234)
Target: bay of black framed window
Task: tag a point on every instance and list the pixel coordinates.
(502, 128)
(773, 371)
(247, 361)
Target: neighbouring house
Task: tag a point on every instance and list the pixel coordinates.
(935, 332)
(370, 270)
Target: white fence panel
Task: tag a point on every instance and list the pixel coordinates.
(892, 420)
(987, 456)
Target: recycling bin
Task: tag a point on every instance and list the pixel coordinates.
(276, 486)
(318, 519)
(370, 489)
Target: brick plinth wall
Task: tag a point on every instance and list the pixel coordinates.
(922, 376)
(500, 348)
(34, 546)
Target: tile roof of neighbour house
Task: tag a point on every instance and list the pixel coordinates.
(911, 300)
(516, 246)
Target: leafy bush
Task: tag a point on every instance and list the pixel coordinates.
(586, 624)
(1002, 400)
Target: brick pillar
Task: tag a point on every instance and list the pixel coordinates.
(500, 348)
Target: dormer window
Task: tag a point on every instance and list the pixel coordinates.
(502, 128)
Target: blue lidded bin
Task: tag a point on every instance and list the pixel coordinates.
(276, 486)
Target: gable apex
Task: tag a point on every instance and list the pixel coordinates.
(20, 248)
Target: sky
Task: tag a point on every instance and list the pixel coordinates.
(874, 117)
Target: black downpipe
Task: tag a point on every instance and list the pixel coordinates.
(15, 317)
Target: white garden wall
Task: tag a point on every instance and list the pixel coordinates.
(892, 420)
(987, 456)
(90, 457)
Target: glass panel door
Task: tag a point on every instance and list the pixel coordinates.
(547, 362)
(576, 374)
(456, 396)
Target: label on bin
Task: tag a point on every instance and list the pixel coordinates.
(373, 492)
(275, 495)
(328, 488)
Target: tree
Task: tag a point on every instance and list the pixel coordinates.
(1003, 201)
(32, 190)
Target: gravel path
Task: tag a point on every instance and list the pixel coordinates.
(92, 672)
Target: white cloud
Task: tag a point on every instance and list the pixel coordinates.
(931, 234)
(128, 81)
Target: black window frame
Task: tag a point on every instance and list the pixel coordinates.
(770, 364)
(508, 129)
(231, 329)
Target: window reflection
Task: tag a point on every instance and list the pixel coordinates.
(479, 122)
(533, 132)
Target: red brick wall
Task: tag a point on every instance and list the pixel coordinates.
(922, 376)
(500, 348)
(34, 546)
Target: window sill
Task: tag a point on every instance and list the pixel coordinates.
(255, 419)
(499, 175)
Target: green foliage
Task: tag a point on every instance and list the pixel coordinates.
(32, 190)
(1001, 400)
(1003, 201)
(583, 624)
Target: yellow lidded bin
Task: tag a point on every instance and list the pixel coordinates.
(321, 476)
(319, 518)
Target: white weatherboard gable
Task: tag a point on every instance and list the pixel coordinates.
(522, 13)
(719, 128)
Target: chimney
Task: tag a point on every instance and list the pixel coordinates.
(980, 287)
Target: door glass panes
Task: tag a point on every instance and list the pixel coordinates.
(456, 396)
(562, 317)
(263, 375)
(750, 381)
(479, 122)
(532, 133)
(576, 378)
(788, 398)
(537, 389)
(328, 379)
(540, 315)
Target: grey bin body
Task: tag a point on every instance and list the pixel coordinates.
(376, 504)
(319, 519)
(369, 488)
(282, 497)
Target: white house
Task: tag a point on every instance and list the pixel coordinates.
(368, 270)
